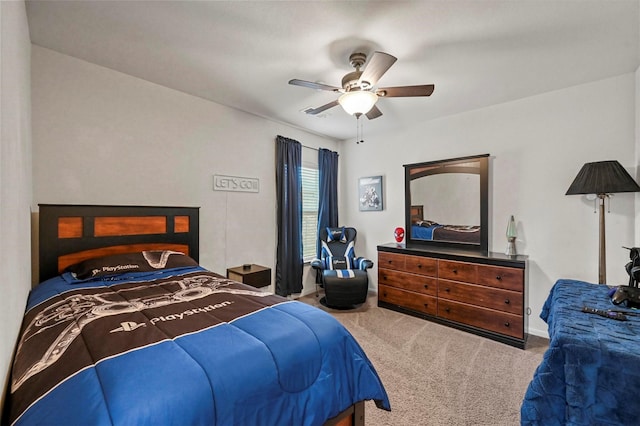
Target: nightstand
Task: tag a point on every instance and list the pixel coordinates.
(254, 275)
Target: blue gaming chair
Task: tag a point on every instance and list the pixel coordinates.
(343, 275)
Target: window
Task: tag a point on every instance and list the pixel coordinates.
(310, 190)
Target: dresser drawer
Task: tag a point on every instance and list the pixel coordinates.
(500, 277)
(487, 319)
(421, 265)
(458, 271)
(488, 297)
(407, 299)
(391, 261)
(406, 281)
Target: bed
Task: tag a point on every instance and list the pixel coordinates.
(127, 328)
(425, 229)
(590, 375)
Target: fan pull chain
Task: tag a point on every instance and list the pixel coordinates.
(359, 134)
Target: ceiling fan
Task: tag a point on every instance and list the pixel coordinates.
(358, 93)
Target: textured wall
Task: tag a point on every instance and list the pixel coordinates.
(15, 175)
(102, 137)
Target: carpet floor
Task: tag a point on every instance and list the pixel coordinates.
(437, 375)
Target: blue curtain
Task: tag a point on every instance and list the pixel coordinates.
(289, 216)
(328, 191)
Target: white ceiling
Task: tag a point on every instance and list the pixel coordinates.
(243, 53)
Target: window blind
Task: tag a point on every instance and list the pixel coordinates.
(310, 190)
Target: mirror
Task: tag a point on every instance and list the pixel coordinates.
(446, 203)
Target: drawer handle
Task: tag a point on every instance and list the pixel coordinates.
(426, 286)
(506, 324)
(455, 271)
(447, 290)
(419, 266)
(384, 278)
(426, 305)
(506, 301)
(498, 278)
(390, 262)
(384, 293)
(446, 310)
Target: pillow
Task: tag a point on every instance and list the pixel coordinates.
(336, 234)
(427, 223)
(146, 261)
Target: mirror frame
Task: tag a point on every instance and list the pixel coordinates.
(412, 171)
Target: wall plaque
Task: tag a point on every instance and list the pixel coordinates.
(235, 184)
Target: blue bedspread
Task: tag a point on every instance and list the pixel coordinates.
(182, 347)
(590, 375)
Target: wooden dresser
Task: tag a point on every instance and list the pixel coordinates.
(484, 294)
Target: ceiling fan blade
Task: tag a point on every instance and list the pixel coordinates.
(314, 111)
(373, 113)
(405, 91)
(312, 85)
(379, 63)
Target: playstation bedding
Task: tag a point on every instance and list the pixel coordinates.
(153, 338)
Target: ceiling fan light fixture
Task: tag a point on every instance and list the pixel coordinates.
(358, 101)
(359, 96)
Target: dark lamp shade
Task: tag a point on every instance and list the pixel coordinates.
(602, 177)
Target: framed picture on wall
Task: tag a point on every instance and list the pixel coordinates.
(370, 193)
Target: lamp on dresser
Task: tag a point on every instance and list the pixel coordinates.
(602, 178)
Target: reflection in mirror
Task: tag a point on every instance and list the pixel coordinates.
(458, 197)
(446, 202)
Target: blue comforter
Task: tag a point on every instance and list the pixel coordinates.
(423, 232)
(182, 346)
(590, 375)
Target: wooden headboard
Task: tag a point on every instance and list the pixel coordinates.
(72, 233)
(417, 213)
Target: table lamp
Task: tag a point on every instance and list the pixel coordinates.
(602, 178)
